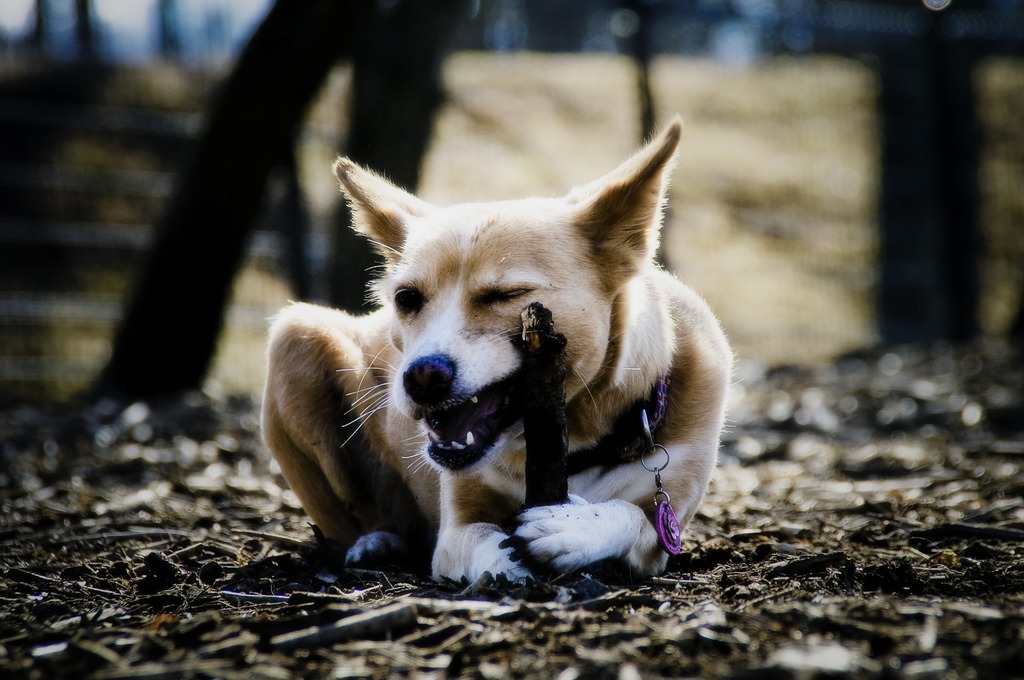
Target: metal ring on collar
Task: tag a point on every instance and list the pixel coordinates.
(656, 469)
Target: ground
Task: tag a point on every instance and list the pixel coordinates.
(866, 520)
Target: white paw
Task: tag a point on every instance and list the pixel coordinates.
(566, 537)
(476, 553)
(376, 548)
(514, 573)
(499, 564)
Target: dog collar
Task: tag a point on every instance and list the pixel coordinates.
(626, 442)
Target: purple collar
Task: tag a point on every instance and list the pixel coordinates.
(626, 442)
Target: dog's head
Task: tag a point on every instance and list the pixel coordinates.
(457, 279)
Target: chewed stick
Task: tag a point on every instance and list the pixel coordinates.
(542, 392)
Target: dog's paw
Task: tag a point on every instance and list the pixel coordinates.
(475, 554)
(375, 549)
(501, 565)
(570, 536)
(513, 573)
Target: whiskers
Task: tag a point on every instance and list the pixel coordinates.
(383, 247)
(583, 381)
(376, 397)
(512, 334)
(383, 373)
(365, 371)
(418, 458)
(373, 393)
(367, 400)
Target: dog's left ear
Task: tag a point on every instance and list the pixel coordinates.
(381, 211)
(620, 214)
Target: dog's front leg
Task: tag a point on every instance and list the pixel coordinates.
(470, 538)
(618, 523)
(569, 537)
(348, 475)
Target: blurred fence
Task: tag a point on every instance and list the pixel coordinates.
(88, 155)
(775, 214)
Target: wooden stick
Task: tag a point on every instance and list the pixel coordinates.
(542, 392)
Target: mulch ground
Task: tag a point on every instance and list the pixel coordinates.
(867, 519)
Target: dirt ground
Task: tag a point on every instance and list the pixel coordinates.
(867, 520)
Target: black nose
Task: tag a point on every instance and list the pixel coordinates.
(428, 380)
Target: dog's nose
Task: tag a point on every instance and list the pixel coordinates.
(428, 380)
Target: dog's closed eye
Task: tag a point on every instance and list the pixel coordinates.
(496, 296)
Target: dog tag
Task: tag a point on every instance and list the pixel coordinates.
(665, 523)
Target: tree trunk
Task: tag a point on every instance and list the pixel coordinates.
(1016, 332)
(928, 206)
(396, 93)
(41, 26)
(169, 35)
(167, 338)
(84, 35)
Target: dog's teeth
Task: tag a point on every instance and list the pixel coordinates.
(458, 446)
(470, 439)
(473, 400)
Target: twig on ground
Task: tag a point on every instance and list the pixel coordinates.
(397, 615)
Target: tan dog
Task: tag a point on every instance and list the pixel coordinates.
(403, 425)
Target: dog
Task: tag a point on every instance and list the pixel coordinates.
(400, 431)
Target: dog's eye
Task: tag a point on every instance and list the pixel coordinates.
(498, 295)
(409, 300)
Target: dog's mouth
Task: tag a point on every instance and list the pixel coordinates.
(460, 434)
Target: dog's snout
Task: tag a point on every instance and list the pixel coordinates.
(428, 380)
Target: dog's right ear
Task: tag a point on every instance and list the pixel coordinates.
(381, 211)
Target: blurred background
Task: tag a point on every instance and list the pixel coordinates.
(851, 175)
